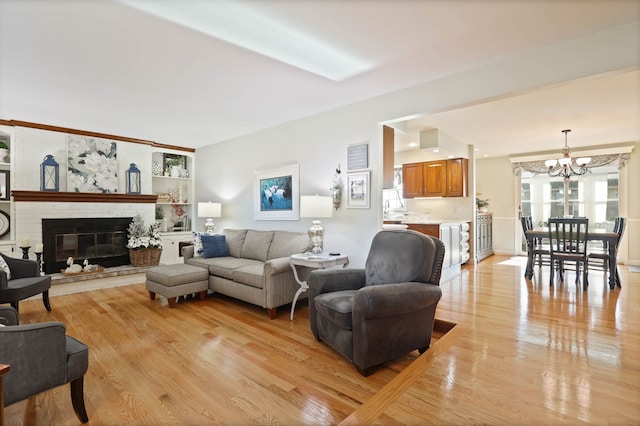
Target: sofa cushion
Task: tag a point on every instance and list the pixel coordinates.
(235, 240)
(223, 266)
(285, 243)
(256, 244)
(214, 246)
(252, 275)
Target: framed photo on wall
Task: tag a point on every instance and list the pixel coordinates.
(357, 156)
(5, 184)
(277, 193)
(358, 190)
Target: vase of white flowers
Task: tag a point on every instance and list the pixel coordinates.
(145, 245)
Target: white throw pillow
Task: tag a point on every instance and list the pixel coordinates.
(5, 267)
(198, 249)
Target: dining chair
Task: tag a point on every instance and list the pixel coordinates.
(540, 250)
(568, 243)
(599, 258)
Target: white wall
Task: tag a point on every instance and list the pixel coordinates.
(318, 143)
(495, 181)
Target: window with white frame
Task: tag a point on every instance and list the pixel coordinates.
(594, 195)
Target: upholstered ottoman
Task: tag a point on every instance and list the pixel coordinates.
(172, 281)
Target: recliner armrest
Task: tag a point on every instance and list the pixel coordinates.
(387, 300)
(329, 280)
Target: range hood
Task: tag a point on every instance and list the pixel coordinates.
(442, 144)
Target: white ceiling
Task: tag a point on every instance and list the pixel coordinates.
(105, 66)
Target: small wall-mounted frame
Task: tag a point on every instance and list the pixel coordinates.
(5, 185)
(357, 157)
(358, 188)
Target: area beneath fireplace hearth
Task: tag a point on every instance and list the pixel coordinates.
(111, 277)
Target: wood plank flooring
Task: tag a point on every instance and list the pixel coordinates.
(521, 353)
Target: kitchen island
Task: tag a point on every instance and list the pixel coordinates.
(453, 233)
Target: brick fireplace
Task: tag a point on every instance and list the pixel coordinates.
(36, 211)
(100, 241)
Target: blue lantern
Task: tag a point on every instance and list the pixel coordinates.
(133, 179)
(49, 174)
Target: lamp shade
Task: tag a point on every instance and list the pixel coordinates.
(316, 206)
(209, 209)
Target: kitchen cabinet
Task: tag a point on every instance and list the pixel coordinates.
(457, 177)
(388, 144)
(443, 178)
(454, 236)
(412, 180)
(484, 236)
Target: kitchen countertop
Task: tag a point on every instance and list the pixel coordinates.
(425, 221)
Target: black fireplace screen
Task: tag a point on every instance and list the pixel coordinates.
(101, 241)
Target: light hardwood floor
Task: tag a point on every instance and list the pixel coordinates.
(521, 353)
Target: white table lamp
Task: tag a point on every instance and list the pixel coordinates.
(316, 206)
(209, 210)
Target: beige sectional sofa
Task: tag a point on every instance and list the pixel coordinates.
(257, 269)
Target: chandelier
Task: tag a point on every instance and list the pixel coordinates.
(566, 167)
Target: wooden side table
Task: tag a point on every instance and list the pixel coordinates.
(4, 369)
(313, 261)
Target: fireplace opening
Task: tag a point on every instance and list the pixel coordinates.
(100, 241)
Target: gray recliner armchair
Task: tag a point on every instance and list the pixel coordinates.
(376, 314)
(25, 282)
(41, 357)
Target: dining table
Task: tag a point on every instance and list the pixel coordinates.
(609, 239)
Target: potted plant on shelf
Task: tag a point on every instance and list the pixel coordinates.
(482, 204)
(145, 245)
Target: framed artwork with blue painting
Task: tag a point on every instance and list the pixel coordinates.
(276, 193)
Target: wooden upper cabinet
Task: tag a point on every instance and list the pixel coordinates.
(388, 142)
(443, 178)
(412, 180)
(435, 178)
(457, 177)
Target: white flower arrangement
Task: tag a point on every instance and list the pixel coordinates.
(142, 237)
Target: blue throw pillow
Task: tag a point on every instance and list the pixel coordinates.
(214, 246)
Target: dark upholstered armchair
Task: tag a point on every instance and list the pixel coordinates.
(376, 314)
(41, 357)
(25, 282)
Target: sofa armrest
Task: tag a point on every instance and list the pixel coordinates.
(187, 251)
(389, 300)
(277, 266)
